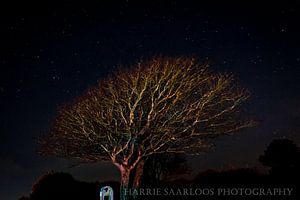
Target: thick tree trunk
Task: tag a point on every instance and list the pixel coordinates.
(130, 177)
(125, 175)
(125, 182)
(138, 174)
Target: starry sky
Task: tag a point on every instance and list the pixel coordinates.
(52, 52)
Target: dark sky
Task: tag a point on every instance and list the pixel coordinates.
(50, 53)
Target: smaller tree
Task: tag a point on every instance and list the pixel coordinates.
(162, 167)
(282, 156)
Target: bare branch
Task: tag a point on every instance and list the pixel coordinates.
(159, 106)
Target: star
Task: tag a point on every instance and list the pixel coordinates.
(56, 77)
(283, 30)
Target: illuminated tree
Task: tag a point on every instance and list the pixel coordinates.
(163, 105)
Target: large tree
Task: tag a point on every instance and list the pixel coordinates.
(162, 105)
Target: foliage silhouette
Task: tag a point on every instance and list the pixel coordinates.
(61, 185)
(162, 167)
(282, 156)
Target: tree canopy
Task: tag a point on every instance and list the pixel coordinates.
(160, 105)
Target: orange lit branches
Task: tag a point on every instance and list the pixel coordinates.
(161, 105)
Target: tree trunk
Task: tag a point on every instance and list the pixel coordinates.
(130, 178)
(125, 178)
(138, 174)
(125, 175)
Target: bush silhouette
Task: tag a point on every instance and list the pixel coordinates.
(282, 156)
(61, 185)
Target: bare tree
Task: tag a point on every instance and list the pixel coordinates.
(163, 105)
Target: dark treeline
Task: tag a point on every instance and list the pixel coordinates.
(282, 157)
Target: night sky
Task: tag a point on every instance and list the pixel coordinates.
(50, 53)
